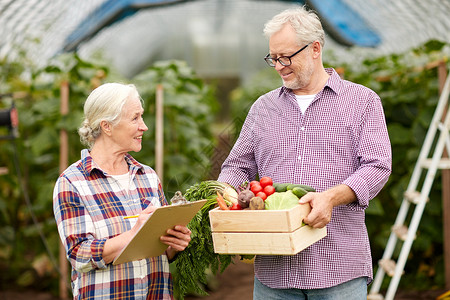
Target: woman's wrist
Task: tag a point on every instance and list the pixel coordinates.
(172, 254)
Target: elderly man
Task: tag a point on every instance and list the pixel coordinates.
(322, 131)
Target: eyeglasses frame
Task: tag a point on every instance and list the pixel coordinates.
(268, 58)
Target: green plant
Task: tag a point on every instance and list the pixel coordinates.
(409, 89)
(29, 241)
(189, 107)
(28, 237)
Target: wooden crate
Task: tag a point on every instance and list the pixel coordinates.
(278, 232)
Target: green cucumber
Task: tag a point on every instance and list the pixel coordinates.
(307, 187)
(290, 187)
(280, 187)
(303, 186)
(299, 192)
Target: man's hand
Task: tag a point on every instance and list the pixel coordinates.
(321, 209)
(322, 204)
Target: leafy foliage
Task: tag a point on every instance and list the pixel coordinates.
(189, 108)
(408, 89)
(32, 160)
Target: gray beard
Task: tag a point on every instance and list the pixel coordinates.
(296, 85)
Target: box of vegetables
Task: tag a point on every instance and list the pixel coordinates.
(263, 217)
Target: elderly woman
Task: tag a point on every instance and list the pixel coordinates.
(92, 197)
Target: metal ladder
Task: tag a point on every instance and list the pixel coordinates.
(412, 195)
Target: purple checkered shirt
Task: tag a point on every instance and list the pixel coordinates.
(89, 206)
(341, 139)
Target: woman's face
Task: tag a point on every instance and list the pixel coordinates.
(127, 134)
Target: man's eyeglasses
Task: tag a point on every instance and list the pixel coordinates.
(283, 60)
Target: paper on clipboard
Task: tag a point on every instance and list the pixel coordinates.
(146, 243)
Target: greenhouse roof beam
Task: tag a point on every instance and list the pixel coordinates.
(108, 13)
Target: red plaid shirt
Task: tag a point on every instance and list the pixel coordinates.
(89, 206)
(341, 139)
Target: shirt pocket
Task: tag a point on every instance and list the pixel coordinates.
(338, 148)
(276, 141)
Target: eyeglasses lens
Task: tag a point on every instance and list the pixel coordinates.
(270, 61)
(283, 60)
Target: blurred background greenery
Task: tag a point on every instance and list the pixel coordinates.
(201, 120)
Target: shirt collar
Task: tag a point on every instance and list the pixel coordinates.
(89, 164)
(334, 83)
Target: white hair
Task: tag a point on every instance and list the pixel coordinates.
(305, 22)
(105, 103)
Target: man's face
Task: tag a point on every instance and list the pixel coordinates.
(297, 76)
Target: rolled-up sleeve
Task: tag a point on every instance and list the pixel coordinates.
(76, 229)
(374, 155)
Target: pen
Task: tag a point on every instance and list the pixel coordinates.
(129, 217)
(135, 216)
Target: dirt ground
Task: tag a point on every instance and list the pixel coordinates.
(235, 283)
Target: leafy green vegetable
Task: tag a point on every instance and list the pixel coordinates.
(193, 263)
(283, 200)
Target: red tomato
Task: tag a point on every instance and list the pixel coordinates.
(269, 190)
(236, 206)
(256, 188)
(262, 195)
(252, 183)
(265, 181)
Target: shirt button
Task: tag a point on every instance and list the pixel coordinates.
(302, 128)
(141, 268)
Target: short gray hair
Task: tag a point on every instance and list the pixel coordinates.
(305, 22)
(105, 103)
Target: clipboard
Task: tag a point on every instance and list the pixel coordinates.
(145, 243)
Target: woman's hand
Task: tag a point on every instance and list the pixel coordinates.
(177, 239)
(143, 216)
(114, 245)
